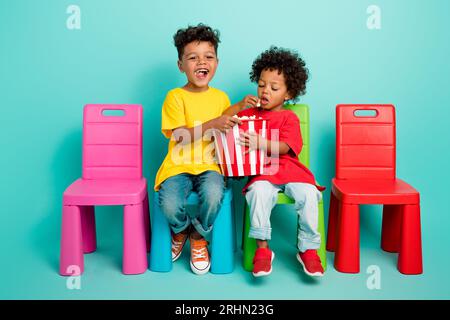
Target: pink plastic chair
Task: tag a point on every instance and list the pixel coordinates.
(112, 175)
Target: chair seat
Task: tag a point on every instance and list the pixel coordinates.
(374, 191)
(105, 192)
(284, 199)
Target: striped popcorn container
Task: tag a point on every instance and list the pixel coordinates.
(233, 158)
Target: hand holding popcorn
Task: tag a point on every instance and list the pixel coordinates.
(225, 123)
(250, 101)
(253, 141)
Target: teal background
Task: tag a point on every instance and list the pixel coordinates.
(124, 54)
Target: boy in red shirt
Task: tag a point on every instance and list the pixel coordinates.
(281, 75)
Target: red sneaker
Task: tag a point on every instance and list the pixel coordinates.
(311, 263)
(262, 262)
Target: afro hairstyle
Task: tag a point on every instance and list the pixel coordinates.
(286, 62)
(198, 33)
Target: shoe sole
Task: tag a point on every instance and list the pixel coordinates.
(265, 273)
(315, 274)
(177, 256)
(199, 271)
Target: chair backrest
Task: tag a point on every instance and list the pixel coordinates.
(112, 141)
(365, 141)
(302, 112)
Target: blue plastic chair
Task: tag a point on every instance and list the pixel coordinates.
(223, 242)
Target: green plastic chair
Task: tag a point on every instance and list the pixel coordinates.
(249, 244)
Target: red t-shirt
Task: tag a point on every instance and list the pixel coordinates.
(289, 168)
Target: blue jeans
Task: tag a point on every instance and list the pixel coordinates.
(174, 191)
(262, 196)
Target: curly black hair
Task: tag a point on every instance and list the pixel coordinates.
(287, 62)
(199, 33)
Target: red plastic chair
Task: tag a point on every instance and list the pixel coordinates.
(366, 174)
(112, 175)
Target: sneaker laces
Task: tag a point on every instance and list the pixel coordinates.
(176, 246)
(199, 250)
(178, 241)
(198, 254)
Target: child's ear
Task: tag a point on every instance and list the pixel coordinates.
(180, 66)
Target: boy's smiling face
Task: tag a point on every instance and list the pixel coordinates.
(199, 62)
(272, 90)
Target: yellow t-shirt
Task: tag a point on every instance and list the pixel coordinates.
(189, 109)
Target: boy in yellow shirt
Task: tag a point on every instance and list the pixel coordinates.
(189, 115)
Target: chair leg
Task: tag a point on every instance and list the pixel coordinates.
(161, 253)
(249, 244)
(222, 252)
(333, 213)
(245, 224)
(321, 228)
(88, 228)
(390, 232)
(71, 258)
(134, 244)
(347, 249)
(233, 219)
(148, 229)
(410, 255)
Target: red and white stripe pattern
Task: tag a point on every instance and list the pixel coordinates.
(232, 157)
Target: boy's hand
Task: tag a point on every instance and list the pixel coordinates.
(249, 100)
(225, 123)
(253, 141)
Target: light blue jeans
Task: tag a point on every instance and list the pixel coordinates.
(262, 197)
(174, 192)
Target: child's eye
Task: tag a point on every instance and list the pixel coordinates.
(274, 89)
(191, 58)
(261, 85)
(210, 57)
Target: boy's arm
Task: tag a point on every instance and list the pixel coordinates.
(248, 100)
(233, 110)
(277, 147)
(290, 139)
(223, 123)
(255, 141)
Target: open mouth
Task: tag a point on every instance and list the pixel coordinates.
(264, 101)
(201, 73)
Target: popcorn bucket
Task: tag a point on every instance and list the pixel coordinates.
(231, 156)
